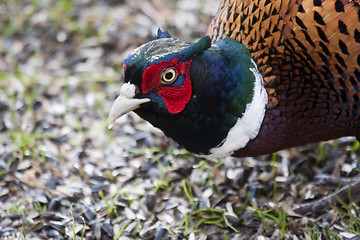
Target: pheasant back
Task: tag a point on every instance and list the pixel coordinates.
(323, 35)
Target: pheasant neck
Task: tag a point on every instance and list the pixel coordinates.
(247, 126)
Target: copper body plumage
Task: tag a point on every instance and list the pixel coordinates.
(309, 54)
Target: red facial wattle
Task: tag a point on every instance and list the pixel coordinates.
(175, 96)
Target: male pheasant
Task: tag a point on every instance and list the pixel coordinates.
(270, 75)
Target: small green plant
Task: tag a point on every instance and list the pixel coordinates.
(117, 236)
(26, 143)
(355, 146)
(62, 10)
(273, 215)
(109, 176)
(330, 234)
(39, 207)
(273, 161)
(323, 148)
(14, 22)
(73, 221)
(21, 231)
(3, 172)
(73, 225)
(18, 207)
(314, 232)
(348, 215)
(162, 182)
(211, 216)
(188, 192)
(23, 134)
(110, 205)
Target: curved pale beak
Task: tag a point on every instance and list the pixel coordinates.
(124, 103)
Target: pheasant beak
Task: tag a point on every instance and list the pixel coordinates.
(124, 103)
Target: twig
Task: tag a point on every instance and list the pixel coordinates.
(352, 190)
(331, 179)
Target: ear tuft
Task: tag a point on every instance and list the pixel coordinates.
(195, 49)
(162, 34)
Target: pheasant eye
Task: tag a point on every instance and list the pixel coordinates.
(169, 75)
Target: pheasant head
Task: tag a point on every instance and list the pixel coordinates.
(208, 97)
